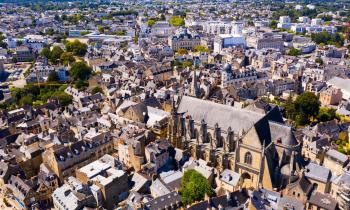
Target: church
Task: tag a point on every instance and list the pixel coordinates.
(258, 146)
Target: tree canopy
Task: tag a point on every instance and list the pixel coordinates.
(151, 22)
(96, 89)
(55, 54)
(305, 107)
(76, 47)
(326, 38)
(201, 49)
(67, 58)
(80, 71)
(294, 52)
(177, 21)
(194, 187)
(53, 77)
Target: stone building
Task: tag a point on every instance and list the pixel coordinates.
(184, 40)
(331, 96)
(63, 160)
(258, 146)
(111, 181)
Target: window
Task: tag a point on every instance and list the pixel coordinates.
(248, 158)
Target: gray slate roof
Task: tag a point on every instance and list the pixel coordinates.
(212, 113)
(318, 172)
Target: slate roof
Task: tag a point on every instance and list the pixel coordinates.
(337, 156)
(166, 200)
(290, 203)
(324, 201)
(235, 199)
(317, 172)
(342, 179)
(226, 116)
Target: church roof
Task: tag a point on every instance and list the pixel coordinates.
(212, 113)
(283, 133)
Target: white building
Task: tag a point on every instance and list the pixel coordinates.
(228, 40)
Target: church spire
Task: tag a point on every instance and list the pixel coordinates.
(194, 85)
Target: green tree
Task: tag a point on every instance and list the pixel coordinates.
(120, 33)
(182, 51)
(19, 43)
(289, 108)
(273, 24)
(81, 84)
(326, 114)
(194, 187)
(80, 71)
(177, 21)
(319, 61)
(187, 64)
(26, 100)
(45, 52)
(201, 49)
(151, 22)
(306, 106)
(101, 29)
(53, 77)
(55, 54)
(96, 89)
(67, 58)
(3, 44)
(294, 52)
(62, 98)
(76, 47)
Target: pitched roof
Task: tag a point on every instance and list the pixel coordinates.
(226, 116)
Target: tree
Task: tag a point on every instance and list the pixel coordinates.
(101, 29)
(76, 47)
(45, 52)
(326, 114)
(201, 49)
(80, 71)
(306, 106)
(67, 58)
(55, 54)
(289, 108)
(319, 61)
(81, 84)
(136, 39)
(182, 51)
(294, 52)
(26, 100)
(96, 89)
(177, 21)
(3, 44)
(186, 64)
(120, 33)
(151, 22)
(53, 77)
(19, 43)
(194, 186)
(63, 98)
(328, 39)
(273, 24)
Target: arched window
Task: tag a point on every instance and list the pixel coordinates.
(248, 158)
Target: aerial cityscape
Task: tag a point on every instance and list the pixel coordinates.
(174, 104)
